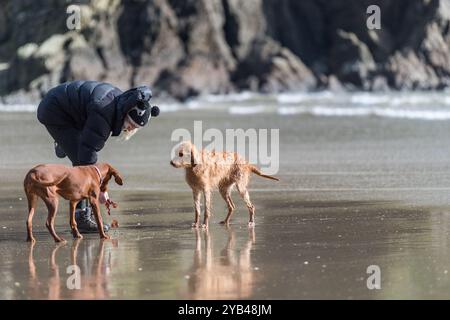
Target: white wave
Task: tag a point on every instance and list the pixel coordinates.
(412, 99)
(248, 109)
(232, 97)
(292, 97)
(379, 112)
(369, 98)
(291, 110)
(325, 111)
(193, 104)
(447, 100)
(18, 107)
(340, 112)
(170, 107)
(413, 114)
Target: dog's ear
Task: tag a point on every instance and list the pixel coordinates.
(112, 172)
(194, 155)
(193, 162)
(117, 177)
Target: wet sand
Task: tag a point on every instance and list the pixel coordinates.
(354, 193)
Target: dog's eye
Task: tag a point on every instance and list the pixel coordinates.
(180, 154)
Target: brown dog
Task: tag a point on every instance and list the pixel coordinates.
(49, 181)
(207, 170)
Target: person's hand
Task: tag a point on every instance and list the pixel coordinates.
(104, 197)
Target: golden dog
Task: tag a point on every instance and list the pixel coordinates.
(207, 170)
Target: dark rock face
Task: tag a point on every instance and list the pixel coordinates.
(188, 47)
(269, 67)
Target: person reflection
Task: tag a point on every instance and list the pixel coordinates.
(228, 276)
(94, 268)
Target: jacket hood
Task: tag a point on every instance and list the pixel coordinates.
(127, 101)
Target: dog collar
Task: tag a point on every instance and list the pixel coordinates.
(99, 174)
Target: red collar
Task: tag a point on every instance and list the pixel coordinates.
(99, 174)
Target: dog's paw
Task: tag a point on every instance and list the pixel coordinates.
(204, 226)
(251, 224)
(76, 234)
(224, 222)
(195, 225)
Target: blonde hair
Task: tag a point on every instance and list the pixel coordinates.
(126, 134)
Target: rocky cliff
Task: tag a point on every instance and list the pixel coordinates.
(188, 47)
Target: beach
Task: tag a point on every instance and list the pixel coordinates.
(354, 191)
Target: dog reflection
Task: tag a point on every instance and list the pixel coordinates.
(229, 276)
(94, 268)
(36, 286)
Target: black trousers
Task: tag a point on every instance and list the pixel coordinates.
(68, 139)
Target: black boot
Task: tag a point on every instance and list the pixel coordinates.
(85, 219)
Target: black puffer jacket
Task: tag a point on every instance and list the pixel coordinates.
(94, 108)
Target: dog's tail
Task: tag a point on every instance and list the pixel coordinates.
(255, 170)
(34, 178)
